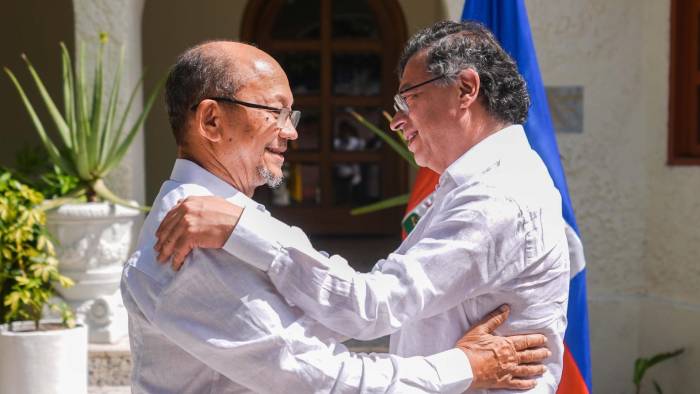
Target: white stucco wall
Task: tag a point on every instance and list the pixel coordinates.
(638, 216)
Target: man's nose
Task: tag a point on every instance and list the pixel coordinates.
(289, 132)
(398, 121)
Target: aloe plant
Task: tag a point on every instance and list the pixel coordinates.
(93, 137)
(401, 149)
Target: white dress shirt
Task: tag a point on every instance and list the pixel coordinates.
(494, 234)
(219, 326)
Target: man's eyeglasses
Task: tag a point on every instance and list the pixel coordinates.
(283, 114)
(400, 104)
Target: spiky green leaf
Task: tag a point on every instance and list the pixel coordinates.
(107, 129)
(384, 204)
(391, 141)
(96, 113)
(126, 143)
(55, 114)
(45, 140)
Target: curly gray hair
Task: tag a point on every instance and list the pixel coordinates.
(452, 47)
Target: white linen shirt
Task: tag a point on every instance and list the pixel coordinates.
(219, 326)
(493, 235)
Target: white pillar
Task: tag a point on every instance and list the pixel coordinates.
(121, 19)
(453, 9)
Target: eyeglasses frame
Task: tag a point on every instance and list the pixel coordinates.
(400, 104)
(292, 115)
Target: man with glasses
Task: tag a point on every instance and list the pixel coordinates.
(220, 326)
(494, 233)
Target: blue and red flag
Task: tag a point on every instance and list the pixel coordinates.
(508, 21)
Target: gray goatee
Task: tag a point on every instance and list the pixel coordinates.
(270, 179)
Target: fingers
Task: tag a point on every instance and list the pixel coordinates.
(165, 230)
(174, 240)
(522, 342)
(179, 257)
(167, 224)
(492, 321)
(519, 384)
(533, 355)
(529, 371)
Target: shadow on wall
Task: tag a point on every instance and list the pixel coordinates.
(34, 27)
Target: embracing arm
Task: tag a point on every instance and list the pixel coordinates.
(261, 337)
(455, 259)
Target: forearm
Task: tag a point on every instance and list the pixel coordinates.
(357, 305)
(363, 306)
(303, 363)
(434, 275)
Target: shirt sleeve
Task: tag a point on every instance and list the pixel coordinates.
(461, 255)
(257, 336)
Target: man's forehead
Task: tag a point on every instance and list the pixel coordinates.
(414, 71)
(272, 87)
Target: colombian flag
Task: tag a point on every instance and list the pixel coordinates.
(507, 19)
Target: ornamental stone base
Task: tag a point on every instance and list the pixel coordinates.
(93, 242)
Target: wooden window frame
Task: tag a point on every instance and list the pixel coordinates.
(684, 86)
(327, 219)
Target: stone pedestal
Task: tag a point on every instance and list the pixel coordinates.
(105, 316)
(93, 242)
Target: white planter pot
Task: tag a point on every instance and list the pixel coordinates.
(93, 242)
(43, 362)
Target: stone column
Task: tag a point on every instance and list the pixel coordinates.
(453, 9)
(104, 314)
(121, 19)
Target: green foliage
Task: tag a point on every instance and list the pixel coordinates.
(401, 149)
(642, 365)
(93, 136)
(28, 266)
(36, 170)
(66, 313)
(384, 204)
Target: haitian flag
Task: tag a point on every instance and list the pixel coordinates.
(508, 21)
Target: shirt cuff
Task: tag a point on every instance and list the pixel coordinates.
(454, 370)
(256, 238)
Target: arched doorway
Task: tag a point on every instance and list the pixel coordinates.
(338, 55)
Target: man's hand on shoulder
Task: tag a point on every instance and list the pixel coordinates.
(195, 222)
(503, 362)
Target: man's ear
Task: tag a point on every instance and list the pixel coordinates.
(469, 83)
(209, 120)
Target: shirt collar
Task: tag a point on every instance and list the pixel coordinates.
(490, 150)
(186, 171)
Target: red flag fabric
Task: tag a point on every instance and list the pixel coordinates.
(426, 180)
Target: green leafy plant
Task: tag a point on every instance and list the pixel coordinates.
(92, 131)
(35, 169)
(399, 148)
(28, 266)
(642, 365)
